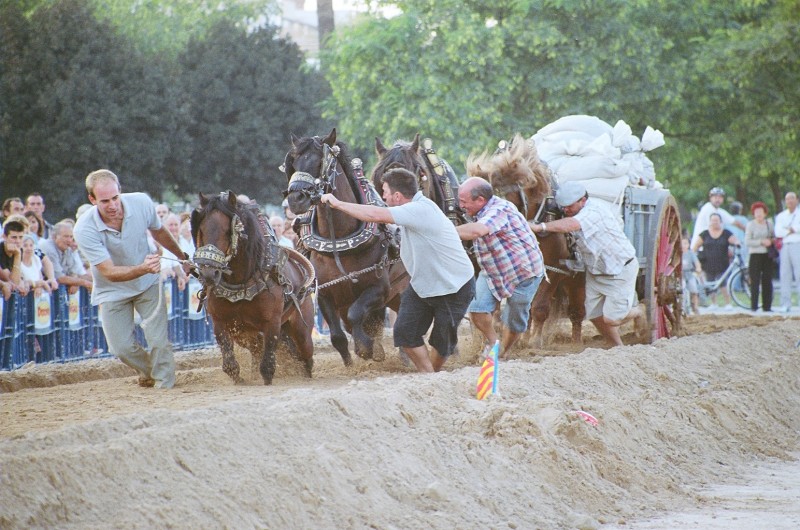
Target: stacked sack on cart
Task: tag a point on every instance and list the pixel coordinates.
(605, 159)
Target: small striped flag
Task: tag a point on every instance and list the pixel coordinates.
(487, 379)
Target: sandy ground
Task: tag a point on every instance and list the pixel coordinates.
(700, 431)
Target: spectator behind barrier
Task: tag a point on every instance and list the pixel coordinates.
(11, 206)
(35, 203)
(11, 256)
(67, 264)
(32, 269)
(36, 226)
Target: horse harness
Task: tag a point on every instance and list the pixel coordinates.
(367, 194)
(270, 268)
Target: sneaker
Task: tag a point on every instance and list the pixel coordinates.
(146, 381)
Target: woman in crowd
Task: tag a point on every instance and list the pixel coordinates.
(35, 225)
(716, 258)
(32, 268)
(759, 238)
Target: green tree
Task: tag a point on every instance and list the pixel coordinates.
(84, 100)
(471, 73)
(245, 93)
(166, 26)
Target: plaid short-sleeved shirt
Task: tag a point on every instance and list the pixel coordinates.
(509, 253)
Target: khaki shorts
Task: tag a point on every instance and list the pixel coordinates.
(612, 297)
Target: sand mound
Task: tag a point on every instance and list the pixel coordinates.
(402, 450)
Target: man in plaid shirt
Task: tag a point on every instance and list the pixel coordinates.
(611, 265)
(510, 259)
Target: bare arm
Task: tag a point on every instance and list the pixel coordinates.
(123, 273)
(470, 231)
(567, 224)
(49, 273)
(165, 239)
(362, 212)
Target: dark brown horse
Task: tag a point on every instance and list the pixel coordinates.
(357, 279)
(435, 178)
(519, 176)
(256, 292)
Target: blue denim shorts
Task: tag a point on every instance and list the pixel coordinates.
(445, 312)
(516, 310)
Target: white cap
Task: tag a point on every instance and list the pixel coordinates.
(570, 193)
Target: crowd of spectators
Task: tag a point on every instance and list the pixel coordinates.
(768, 246)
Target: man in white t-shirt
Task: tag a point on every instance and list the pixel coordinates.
(787, 227)
(442, 281)
(716, 196)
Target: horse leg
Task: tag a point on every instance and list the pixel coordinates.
(267, 366)
(576, 293)
(299, 332)
(373, 325)
(229, 364)
(362, 316)
(338, 336)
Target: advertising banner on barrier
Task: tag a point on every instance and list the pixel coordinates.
(193, 288)
(168, 296)
(74, 305)
(43, 314)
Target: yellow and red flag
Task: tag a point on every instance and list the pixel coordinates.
(487, 379)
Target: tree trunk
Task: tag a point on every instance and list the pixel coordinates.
(325, 23)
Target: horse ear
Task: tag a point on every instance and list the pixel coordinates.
(415, 144)
(379, 148)
(232, 199)
(294, 139)
(203, 200)
(331, 138)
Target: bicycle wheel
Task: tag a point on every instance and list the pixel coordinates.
(739, 288)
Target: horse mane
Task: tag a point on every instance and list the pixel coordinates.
(399, 155)
(517, 165)
(302, 145)
(255, 244)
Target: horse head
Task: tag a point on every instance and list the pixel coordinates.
(402, 154)
(516, 174)
(314, 166)
(227, 236)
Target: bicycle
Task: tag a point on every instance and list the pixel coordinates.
(736, 278)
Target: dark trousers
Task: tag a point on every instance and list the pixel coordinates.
(760, 268)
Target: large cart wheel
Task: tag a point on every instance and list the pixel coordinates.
(664, 273)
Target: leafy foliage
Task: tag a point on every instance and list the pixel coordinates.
(719, 79)
(246, 93)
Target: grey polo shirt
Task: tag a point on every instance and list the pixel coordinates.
(65, 263)
(126, 247)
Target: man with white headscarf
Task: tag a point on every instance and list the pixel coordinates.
(611, 265)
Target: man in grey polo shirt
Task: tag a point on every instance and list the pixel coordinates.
(113, 237)
(67, 267)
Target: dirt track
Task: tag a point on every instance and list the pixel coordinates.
(392, 448)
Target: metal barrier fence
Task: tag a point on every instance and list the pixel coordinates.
(63, 327)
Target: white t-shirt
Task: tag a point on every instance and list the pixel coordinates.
(430, 248)
(32, 272)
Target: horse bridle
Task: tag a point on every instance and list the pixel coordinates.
(209, 256)
(325, 183)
